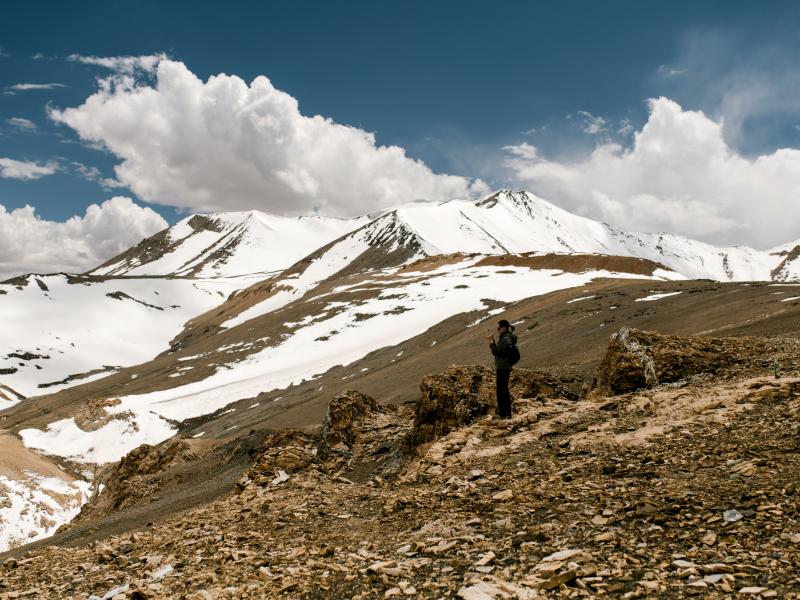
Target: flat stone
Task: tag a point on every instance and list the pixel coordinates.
(503, 496)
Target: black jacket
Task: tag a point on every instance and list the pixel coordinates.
(500, 350)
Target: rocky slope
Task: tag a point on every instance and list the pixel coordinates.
(678, 488)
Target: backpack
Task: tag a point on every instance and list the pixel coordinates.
(512, 354)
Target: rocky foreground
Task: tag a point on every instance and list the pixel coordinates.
(674, 473)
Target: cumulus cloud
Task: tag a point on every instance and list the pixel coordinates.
(20, 123)
(678, 175)
(26, 170)
(25, 87)
(225, 145)
(31, 244)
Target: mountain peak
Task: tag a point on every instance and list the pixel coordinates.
(228, 244)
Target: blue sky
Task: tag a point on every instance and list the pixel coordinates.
(455, 84)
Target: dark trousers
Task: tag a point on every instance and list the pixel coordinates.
(503, 395)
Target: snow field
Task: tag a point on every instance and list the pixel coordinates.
(431, 297)
(80, 328)
(249, 242)
(34, 508)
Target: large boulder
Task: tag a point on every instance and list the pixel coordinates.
(451, 400)
(361, 439)
(639, 359)
(287, 450)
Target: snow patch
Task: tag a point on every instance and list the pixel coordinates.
(579, 299)
(657, 296)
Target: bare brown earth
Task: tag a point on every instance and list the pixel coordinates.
(575, 263)
(17, 460)
(684, 487)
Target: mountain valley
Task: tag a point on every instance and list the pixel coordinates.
(158, 383)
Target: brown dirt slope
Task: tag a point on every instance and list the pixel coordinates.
(674, 490)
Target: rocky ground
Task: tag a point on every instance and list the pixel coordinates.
(674, 473)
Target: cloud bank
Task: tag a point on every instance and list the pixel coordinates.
(679, 175)
(31, 244)
(25, 170)
(226, 145)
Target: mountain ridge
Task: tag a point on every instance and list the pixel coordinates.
(227, 245)
(504, 222)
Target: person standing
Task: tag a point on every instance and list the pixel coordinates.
(503, 364)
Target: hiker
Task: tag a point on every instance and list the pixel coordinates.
(504, 360)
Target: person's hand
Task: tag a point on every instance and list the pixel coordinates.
(489, 335)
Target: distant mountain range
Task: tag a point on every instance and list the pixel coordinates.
(506, 222)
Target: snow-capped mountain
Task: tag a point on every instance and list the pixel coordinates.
(228, 245)
(509, 222)
(506, 222)
(789, 267)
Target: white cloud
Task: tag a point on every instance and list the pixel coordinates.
(223, 144)
(37, 56)
(94, 174)
(625, 128)
(3, 53)
(678, 175)
(750, 84)
(122, 64)
(593, 125)
(25, 87)
(31, 244)
(20, 123)
(667, 71)
(19, 169)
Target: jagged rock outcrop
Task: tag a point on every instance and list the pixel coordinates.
(286, 451)
(638, 359)
(462, 393)
(136, 476)
(359, 439)
(341, 427)
(451, 400)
